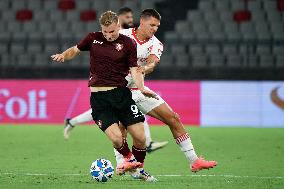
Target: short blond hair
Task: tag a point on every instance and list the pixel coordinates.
(108, 17)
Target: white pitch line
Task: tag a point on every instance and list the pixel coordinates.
(78, 174)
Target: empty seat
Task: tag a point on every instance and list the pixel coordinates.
(51, 48)
(34, 48)
(216, 60)
(212, 49)
(222, 5)
(278, 50)
(19, 37)
(30, 27)
(280, 61)
(187, 38)
(24, 60)
(17, 5)
(43, 60)
(88, 15)
(62, 27)
(56, 16)
(263, 49)
(234, 60)
(40, 15)
(178, 49)
(194, 15)
(205, 5)
(251, 60)
(230, 49)
(78, 27)
(34, 5)
(4, 5)
(266, 61)
(3, 48)
(182, 60)
(17, 48)
(83, 5)
(72, 16)
(276, 27)
(5, 37)
(215, 27)
(14, 26)
(92, 27)
(182, 27)
(24, 15)
(171, 37)
(196, 49)
(35, 36)
(199, 61)
(46, 27)
(167, 60)
(50, 37)
(66, 5)
(237, 5)
(211, 16)
(99, 5)
(199, 27)
(226, 16)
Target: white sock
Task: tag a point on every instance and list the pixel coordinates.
(186, 146)
(147, 133)
(82, 118)
(118, 157)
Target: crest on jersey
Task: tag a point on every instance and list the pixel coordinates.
(118, 46)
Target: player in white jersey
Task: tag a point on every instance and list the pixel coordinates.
(125, 15)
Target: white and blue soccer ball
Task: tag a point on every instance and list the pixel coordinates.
(101, 170)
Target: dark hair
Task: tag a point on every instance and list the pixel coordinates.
(124, 10)
(150, 13)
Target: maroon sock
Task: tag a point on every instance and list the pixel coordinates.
(124, 149)
(139, 154)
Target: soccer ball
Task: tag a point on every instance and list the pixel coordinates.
(101, 170)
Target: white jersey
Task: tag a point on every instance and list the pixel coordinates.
(144, 49)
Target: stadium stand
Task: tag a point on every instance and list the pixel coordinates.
(205, 36)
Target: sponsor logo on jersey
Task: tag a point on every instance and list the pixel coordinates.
(98, 42)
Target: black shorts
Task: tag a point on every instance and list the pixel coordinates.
(114, 106)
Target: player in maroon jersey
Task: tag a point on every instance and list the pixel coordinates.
(112, 55)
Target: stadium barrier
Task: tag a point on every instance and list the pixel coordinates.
(205, 103)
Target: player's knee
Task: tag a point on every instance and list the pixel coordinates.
(174, 119)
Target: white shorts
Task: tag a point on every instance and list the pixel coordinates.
(145, 104)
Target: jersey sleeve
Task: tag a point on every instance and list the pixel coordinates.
(85, 44)
(157, 49)
(132, 53)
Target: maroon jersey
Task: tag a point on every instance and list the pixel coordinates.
(109, 61)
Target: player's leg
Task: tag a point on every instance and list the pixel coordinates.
(141, 101)
(105, 117)
(165, 114)
(71, 123)
(118, 156)
(130, 117)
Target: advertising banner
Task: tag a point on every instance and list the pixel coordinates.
(51, 101)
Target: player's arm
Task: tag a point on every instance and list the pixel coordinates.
(66, 55)
(138, 77)
(152, 62)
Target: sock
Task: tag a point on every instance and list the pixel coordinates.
(124, 150)
(147, 133)
(118, 157)
(139, 154)
(82, 118)
(186, 146)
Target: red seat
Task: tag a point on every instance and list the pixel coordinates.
(24, 15)
(66, 5)
(242, 16)
(280, 5)
(88, 15)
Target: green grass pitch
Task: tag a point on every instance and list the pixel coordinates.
(38, 157)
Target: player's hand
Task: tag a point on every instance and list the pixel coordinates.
(58, 57)
(149, 93)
